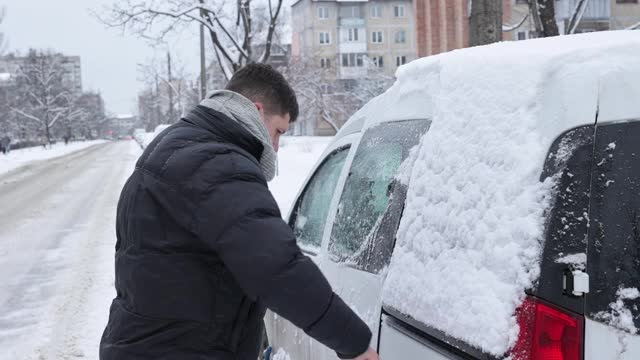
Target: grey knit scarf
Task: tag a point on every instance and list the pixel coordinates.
(242, 110)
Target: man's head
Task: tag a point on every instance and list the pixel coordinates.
(274, 98)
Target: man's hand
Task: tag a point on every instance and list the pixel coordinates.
(369, 355)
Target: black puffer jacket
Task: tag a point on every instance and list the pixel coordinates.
(202, 251)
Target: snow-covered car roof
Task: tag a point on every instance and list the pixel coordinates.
(469, 242)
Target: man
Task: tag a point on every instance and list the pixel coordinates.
(201, 247)
(5, 144)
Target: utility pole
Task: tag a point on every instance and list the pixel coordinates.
(203, 65)
(157, 104)
(170, 89)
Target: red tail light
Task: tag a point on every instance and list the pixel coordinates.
(547, 333)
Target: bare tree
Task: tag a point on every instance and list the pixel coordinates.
(232, 32)
(322, 97)
(576, 17)
(92, 120)
(166, 97)
(485, 22)
(543, 14)
(43, 97)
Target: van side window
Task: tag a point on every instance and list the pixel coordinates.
(613, 261)
(310, 215)
(367, 219)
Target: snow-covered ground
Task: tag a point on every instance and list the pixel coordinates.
(57, 221)
(56, 251)
(21, 157)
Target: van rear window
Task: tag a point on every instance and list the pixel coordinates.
(613, 261)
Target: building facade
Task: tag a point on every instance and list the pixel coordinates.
(354, 37)
(71, 79)
(443, 25)
(624, 14)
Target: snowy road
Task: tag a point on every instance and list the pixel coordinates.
(57, 238)
(56, 252)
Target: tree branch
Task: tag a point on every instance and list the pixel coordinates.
(509, 28)
(634, 27)
(576, 17)
(272, 27)
(28, 115)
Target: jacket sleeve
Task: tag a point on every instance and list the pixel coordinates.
(240, 220)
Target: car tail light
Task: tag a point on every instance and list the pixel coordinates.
(548, 333)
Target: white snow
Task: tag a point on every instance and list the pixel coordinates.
(296, 157)
(469, 241)
(578, 260)
(57, 255)
(619, 315)
(281, 355)
(148, 137)
(17, 158)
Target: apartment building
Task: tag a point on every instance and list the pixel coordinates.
(352, 38)
(72, 76)
(443, 25)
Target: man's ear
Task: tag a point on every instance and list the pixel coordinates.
(260, 107)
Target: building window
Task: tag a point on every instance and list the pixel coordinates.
(325, 38)
(401, 37)
(350, 11)
(376, 11)
(323, 12)
(376, 37)
(277, 50)
(352, 35)
(522, 35)
(399, 11)
(626, 1)
(401, 60)
(352, 60)
(378, 61)
(532, 34)
(325, 63)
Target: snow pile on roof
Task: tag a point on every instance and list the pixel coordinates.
(619, 315)
(469, 241)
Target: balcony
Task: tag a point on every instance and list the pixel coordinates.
(596, 9)
(352, 22)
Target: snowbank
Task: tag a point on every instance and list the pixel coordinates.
(469, 240)
(147, 138)
(21, 157)
(296, 158)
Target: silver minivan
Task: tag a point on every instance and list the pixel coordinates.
(347, 215)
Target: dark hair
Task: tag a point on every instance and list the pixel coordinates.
(261, 82)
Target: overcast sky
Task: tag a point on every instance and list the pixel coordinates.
(108, 58)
